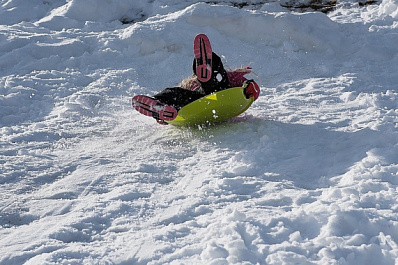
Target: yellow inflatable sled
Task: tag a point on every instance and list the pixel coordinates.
(213, 108)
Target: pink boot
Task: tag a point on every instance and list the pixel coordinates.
(154, 108)
(203, 56)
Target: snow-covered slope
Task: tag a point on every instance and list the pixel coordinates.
(307, 176)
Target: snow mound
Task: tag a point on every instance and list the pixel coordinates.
(389, 8)
(308, 175)
(76, 13)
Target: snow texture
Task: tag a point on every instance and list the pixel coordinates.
(308, 175)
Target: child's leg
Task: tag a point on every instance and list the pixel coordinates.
(165, 105)
(219, 79)
(208, 67)
(177, 96)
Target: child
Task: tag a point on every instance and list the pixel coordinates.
(209, 77)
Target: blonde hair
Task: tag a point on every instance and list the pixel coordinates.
(189, 83)
(192, 83)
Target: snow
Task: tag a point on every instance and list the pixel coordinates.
(308, 175)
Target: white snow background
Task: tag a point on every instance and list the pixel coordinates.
(308, 175)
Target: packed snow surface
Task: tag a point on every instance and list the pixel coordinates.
(308, 175)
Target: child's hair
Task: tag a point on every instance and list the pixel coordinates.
(190, 83)
(236, 78)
